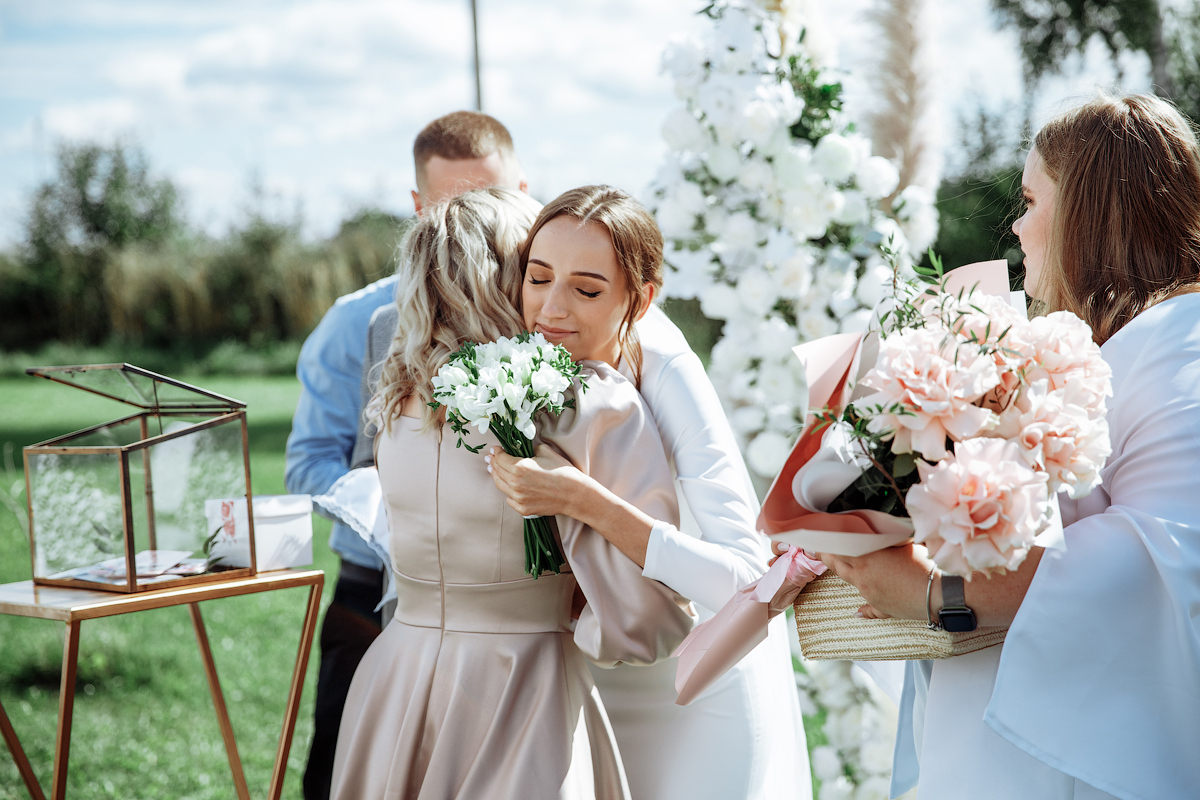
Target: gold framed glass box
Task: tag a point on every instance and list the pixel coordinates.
(121, 506)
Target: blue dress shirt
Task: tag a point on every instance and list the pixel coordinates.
(326, 419)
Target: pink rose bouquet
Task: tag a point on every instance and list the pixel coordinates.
(970, 420)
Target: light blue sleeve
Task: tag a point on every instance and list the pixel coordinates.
(910, 726)
(325, 424)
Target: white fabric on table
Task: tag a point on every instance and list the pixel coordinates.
(1097, 686)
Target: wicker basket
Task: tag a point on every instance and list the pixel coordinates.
(829, 631)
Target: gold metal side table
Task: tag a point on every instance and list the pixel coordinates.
(73, 606)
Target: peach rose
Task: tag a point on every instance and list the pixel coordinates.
(936, 381)
(1062, 440)
(1060, 350)
(979, 509)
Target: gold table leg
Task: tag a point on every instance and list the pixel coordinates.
(18, 754)
(293, 705)
(66, 708)
(218, 698)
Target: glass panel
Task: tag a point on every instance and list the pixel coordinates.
(190, 477)
(76, 512)
(108, 436)
(136, 386)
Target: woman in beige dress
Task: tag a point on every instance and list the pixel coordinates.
(479, 688)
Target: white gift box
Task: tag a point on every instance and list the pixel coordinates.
(282, 531)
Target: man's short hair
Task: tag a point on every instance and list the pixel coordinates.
(459, 136)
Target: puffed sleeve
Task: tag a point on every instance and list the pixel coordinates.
(610, 436)
(1100, 672)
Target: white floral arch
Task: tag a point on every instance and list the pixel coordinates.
(773, 209)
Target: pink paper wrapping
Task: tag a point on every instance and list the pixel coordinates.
(713, 647)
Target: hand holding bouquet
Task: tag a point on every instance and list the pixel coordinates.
(500, 386)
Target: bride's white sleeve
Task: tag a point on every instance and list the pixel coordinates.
(1100, 671)
(716, 487)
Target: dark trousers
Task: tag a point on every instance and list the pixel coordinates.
(351, 624)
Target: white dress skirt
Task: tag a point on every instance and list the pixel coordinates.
(956, 736)
(744, 736)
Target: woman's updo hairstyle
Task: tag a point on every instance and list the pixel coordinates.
(635, 237)
(1125, 232)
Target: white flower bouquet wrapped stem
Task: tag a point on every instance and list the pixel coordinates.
(501, 386)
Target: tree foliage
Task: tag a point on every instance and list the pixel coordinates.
(101, 199)
(108, 256)
(977, 204)
(1184, 48)
(1051, 30)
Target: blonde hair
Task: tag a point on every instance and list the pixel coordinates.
(636, 240)
(459, 281)
(1125, 233)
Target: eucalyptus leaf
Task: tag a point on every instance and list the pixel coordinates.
(904, 465)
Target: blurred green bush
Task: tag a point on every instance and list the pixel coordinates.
(108, 269)
(108, 262)
(979, 200)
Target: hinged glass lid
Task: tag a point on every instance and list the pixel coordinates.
(136, 386)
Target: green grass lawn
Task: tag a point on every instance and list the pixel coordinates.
(144, 724)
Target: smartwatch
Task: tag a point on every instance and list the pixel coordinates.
(955, 617)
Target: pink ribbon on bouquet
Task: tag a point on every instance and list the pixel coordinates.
(713, 647)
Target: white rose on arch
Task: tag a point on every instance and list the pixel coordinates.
(720, 301)
(836, 158)
(683, 132)
(684, 60)
(877, 177)
(767, 452)
(916, 209)
(738, 40)
(724, 162)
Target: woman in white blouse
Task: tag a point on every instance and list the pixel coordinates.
(744, 737)
(1095, 692)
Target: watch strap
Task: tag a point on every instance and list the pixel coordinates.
(955, 616)
(953, 593)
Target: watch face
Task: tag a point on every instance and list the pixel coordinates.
(957, 620)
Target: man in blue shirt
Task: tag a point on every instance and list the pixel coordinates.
(453, 154)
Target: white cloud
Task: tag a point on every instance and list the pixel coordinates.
(102, 119)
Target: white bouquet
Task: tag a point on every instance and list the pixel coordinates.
(500, 386)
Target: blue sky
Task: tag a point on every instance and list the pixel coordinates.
(320, 100)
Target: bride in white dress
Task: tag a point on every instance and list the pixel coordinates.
(1095, 692)
(743, 737)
